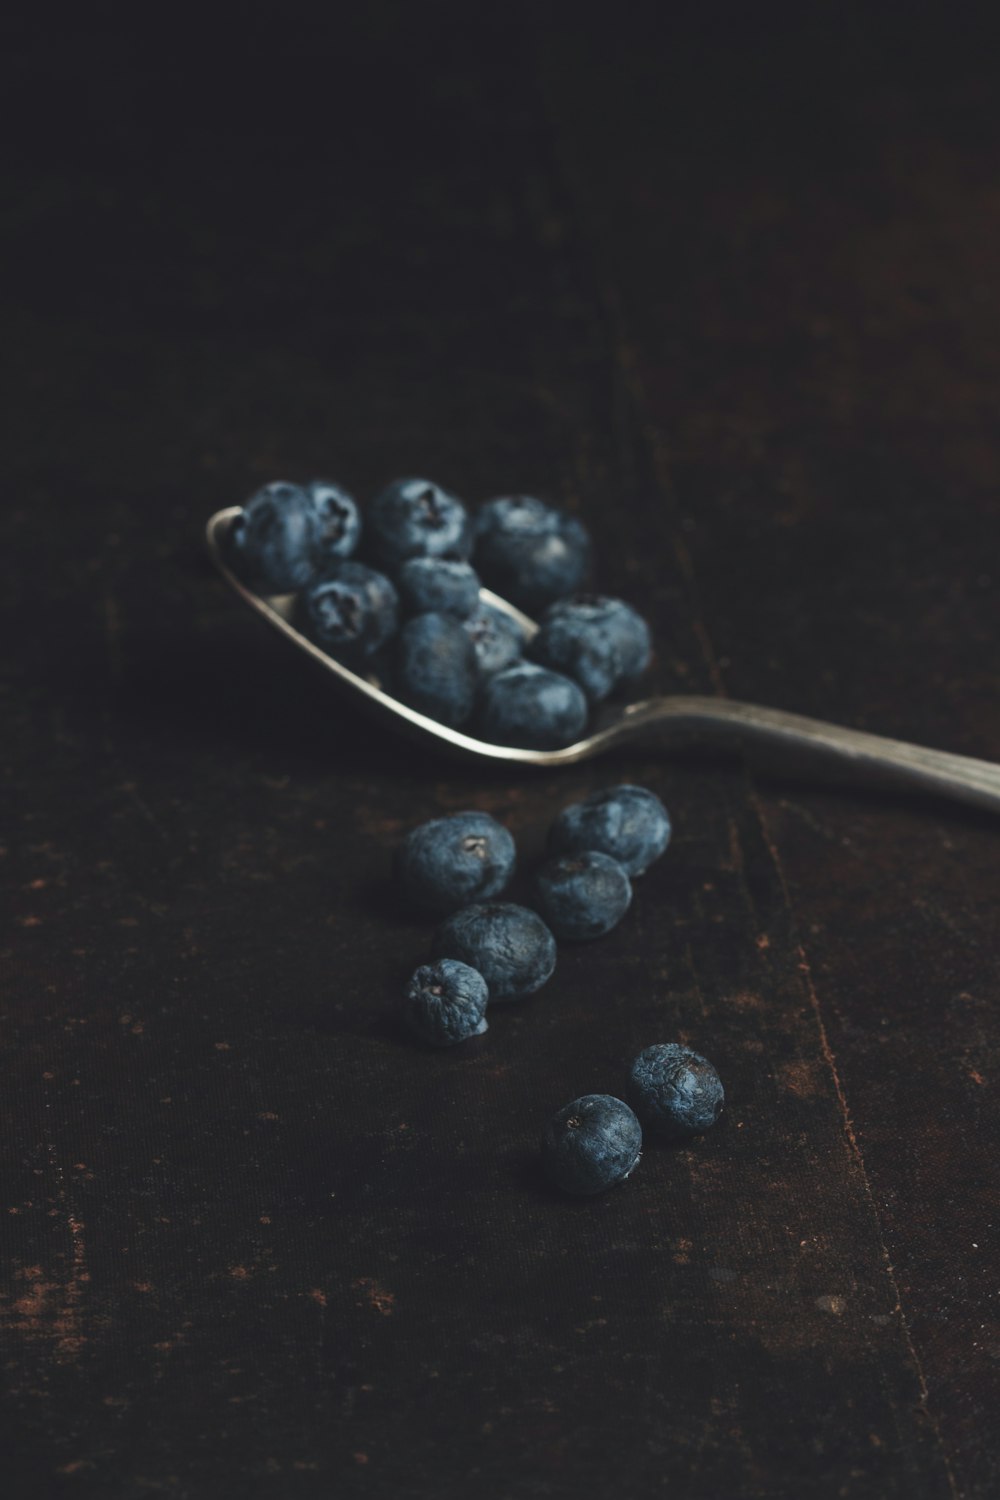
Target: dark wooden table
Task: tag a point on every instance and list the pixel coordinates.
(726, 284)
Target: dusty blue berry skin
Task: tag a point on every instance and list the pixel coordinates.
(582, 896)
(435, 669)
(529, 552)
(591, 1144)
(417, 518)
(340, 519)
(497, 638)
(454, 861)
(530, 707)
(627, 822)
(439, 585)
(601, 643)
(633, 640)
(273, 545)
(350, 612)
(674, 1091)
(445, 1003)
(509, 945)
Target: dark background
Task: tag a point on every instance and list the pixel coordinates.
(724, 281)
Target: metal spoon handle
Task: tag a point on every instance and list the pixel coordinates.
(720, 721)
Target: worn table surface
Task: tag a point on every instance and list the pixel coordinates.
(726, 286)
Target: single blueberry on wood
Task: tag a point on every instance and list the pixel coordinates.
(340, 519)
(445, 1002)
(582, 896)
(530, 707)
(435, 669)
(627, 822)
(675, 1092)
(416, 518)
(438, 584)
(600, 642)
(591, 1144)
(350, 612)
(497, 638)
(529, 552)
(273, 545)
(510, 946)
(454, 861)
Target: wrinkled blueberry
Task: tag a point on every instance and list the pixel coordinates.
(445, 1002)
(582, 895)
(510, 946)
(674, 1091)
(273, 545)
(438, 584)
(435, 669)
(496, 637)
(415, 518)
(350, 612)
(452, 861)
(340, 519)
(627, 822)
(530, 707)
(529, 552)
(601, 643)
(591, 1144)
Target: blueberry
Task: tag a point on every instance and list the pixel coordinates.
(510, 946)
(591, 1144)
(339, 517)
(583, 895)
(627, 822)
(674, 1091)
(496, 636)
(529, 552)
(415, 518)
(445, 1003)
(531, 707)
(350, 612)
(273, 544)
(438, 584)
(634, 641)
(435, 669)
(601, 643)
(452, 861)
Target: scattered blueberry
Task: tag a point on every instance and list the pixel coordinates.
(415, 518)
(445, 1003)
(674, 1091)
(273, 545)
(452, 861)
(591, 1144)
(438, 584)
(435, 669)
(529, 552)
(510, 946)
(530, 707)
(599, 642)
(496, 637)
(627, 822)
(339, 517)
(583, 895)
(350, 612)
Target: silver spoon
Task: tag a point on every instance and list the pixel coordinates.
(679, 720)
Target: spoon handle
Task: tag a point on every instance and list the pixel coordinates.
(745, 725)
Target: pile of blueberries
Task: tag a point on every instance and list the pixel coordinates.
(487, 951)
(398, 595)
